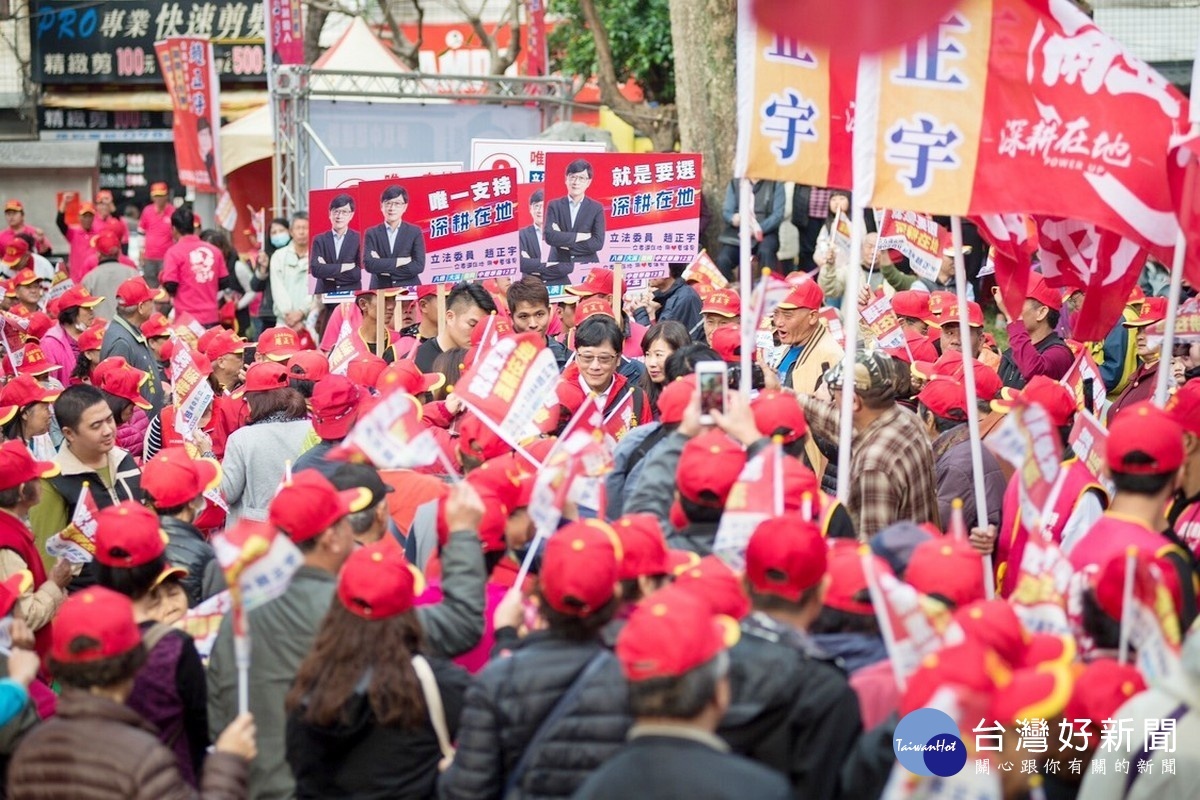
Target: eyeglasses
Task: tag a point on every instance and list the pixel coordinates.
(578, 179)
(602, 360)
(394, 204)
(342, 212)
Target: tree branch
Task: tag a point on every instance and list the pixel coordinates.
(409, 52)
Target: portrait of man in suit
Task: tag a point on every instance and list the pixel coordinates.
(533, 249)
(575, 223)
(394, 251)
(335, 258)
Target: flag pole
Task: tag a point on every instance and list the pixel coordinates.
(964, 328)
(745, 285)
(1127, 605)
(1162, 385)
(850, 331)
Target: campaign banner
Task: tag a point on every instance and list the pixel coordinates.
(918, 237)
(795, 107)
(510, 385)
(77, 542)
(203, 621)
(258, 561)
(345, 176)
(882, 324)
(335, 245)
(393, 436)
(639, 211)
(284, 32)
(454, 227)
(190, 389)
(526, 156)
(1084, 369)
(1040, 596)
(1088, 439)
(1027, 440)
(756, 496)
(704, 269)
(190, 74)
(1187, 325)
(77, 43)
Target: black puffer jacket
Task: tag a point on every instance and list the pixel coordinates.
(187, 548)
(507, 703)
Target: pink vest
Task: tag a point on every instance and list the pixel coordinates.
(1111, 536)
(1010, 543)
(1187, 526)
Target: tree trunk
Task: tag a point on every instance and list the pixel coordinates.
(703, 35)
(314, 23)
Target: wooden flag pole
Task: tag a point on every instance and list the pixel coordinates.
(618, 276)
(381, 339)
(441, 308)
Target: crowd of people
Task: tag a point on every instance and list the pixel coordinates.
(410, 655)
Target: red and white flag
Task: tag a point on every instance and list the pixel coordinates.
(919, 238)
(510, 385)
(190, 391)
(392, 435)
(77, 542)
(702, 268)
(344, 349)
(755, 497)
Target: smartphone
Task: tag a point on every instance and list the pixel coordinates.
(712, 381)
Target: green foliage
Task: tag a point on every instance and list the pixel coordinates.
(639, 33)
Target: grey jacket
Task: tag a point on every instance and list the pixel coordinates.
(254, 464)
(282, 633)
(623, 478)
(120, 339)
(655, 490)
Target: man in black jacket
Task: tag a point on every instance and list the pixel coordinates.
(394, 250)
(335, 258)
(540, 719)
(534, 251)
(174, 484)
(792, 708)
(673, 652)
(575, 223)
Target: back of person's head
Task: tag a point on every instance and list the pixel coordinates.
(684, 360)
(70, 405)
(464, 295)
(183, 221)
(598, 330)
(676, 270)
(286, 402)
(577, 583)
(1144, 450)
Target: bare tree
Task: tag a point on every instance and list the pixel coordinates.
(501, 60)
(660, 122)
(408, 51)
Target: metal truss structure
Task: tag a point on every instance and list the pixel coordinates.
(293, 86)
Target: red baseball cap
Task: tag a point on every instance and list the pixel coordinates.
(156, 327)
(123, 381)
(14, 205)
(14, 251)
(950, 568)
(18, 466)
(106, 243)
(308, 365)
(727, 342)
(173, 477)
(950, 315)
(1154, 311)
(806, 294)
(278, 343)
(35, 363)
(914, 305)
(1057, 399)
(590, 305)
(78, 297)
(671, 634)
(920, 349)
(310, 504)
(26, 276)
(1040, 693)
(263, 376)
(407, 377)
(99, 616)
(785, 557)
(848, 590)
(711, 580)
(377, 582)
(946, 398)
(477, 440)
(970, 667)
(950, 365)
(777, 413)
(426, 290)
(1144, 439)
(136, 291)
(995, 624)
(1108, 585)
(643, 546)
(598, 281)
(674, 399)
(12, 588)
(1101, 687)
(39, 323)
(128, 535)
(23, 390)
(939, 302)
(223, 343)
(335, 403)
(708, 467)
(87, 208)
(1042, 292)
(1184, 406)
(580, 567)
(159, 189)
(365, 369)
(723, 303)
(92, 338)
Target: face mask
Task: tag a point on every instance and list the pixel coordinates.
(280, 239)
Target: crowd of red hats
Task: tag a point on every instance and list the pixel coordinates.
(705, 583)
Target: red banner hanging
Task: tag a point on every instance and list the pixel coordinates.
(190, 74)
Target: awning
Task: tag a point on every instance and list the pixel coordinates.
(247, 140)
(234, 102)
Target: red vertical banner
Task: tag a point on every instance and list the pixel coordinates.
(284, 32)
(536, 57)
(190, 74)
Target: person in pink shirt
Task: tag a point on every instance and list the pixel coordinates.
(106, 247)
(107, 220)
(75, 315)
(79, 237)
(155, 224)
(194, 272)
(14, 216)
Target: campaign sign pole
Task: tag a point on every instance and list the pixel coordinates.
(745, 205)
(850, 331)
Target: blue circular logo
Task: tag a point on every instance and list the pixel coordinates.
(926, 743)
